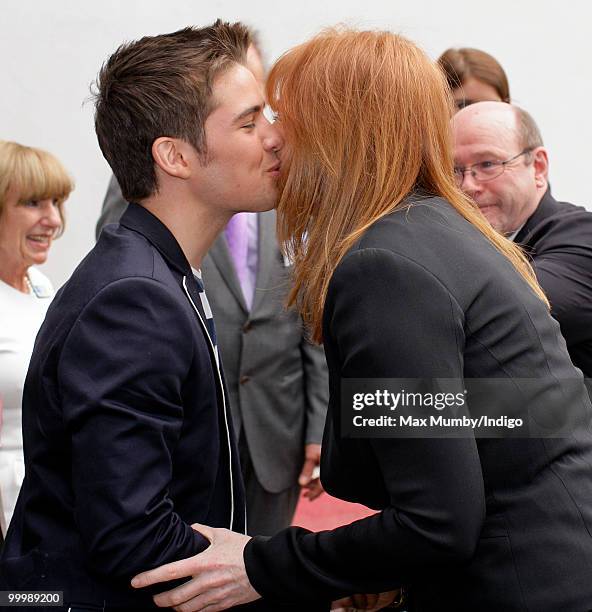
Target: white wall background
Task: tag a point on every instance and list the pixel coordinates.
(51, 51)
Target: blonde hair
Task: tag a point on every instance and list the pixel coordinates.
(367, 118)
(34, 173)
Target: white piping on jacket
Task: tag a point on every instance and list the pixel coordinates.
(223, 404)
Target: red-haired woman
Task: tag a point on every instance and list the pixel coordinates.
(404, 280)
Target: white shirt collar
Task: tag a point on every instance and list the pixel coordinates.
(515, 233)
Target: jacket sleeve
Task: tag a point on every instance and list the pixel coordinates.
(114, 206)
(316, 389)
(563, 267)
(120, 376)
(386, 317)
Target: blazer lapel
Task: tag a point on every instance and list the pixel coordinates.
(223, 261)
(267, 250)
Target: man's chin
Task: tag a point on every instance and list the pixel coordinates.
(265, 206)
(490, 213)
(271, 204)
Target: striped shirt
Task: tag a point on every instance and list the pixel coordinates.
(207, 312)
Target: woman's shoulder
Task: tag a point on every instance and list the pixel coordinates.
(428, 238)
(420, 227)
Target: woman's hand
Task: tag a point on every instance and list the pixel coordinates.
(218, 575)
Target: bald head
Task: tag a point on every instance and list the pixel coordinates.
(505, 119)
(505, 165)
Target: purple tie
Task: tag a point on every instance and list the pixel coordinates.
(237, 237)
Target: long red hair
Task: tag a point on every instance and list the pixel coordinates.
(366, 117)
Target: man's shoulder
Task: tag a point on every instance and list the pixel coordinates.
(559, 211)
(121, 253)
(122, 261)
(129, 247)
(558, 223)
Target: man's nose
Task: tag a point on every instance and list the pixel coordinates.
(469, 184)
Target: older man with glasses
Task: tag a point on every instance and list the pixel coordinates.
(501, 163)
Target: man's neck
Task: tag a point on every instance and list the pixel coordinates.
(512, 235)
(530, 211)
(193, 225)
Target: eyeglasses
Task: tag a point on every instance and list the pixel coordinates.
(486, 170)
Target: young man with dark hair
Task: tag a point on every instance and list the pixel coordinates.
(276, 378)
(128, 435)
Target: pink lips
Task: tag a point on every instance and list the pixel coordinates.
(40, 245)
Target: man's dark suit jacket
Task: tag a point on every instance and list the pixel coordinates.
(127, 436)
(558, 237)
(470, 524)
(276, 379)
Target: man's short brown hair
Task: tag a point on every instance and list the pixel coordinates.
(160, 86)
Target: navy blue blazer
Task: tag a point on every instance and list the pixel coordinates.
(127, 435)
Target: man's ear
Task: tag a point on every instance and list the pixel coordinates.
(171, 155)
(541, 166)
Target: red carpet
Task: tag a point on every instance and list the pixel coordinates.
(327, 512)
